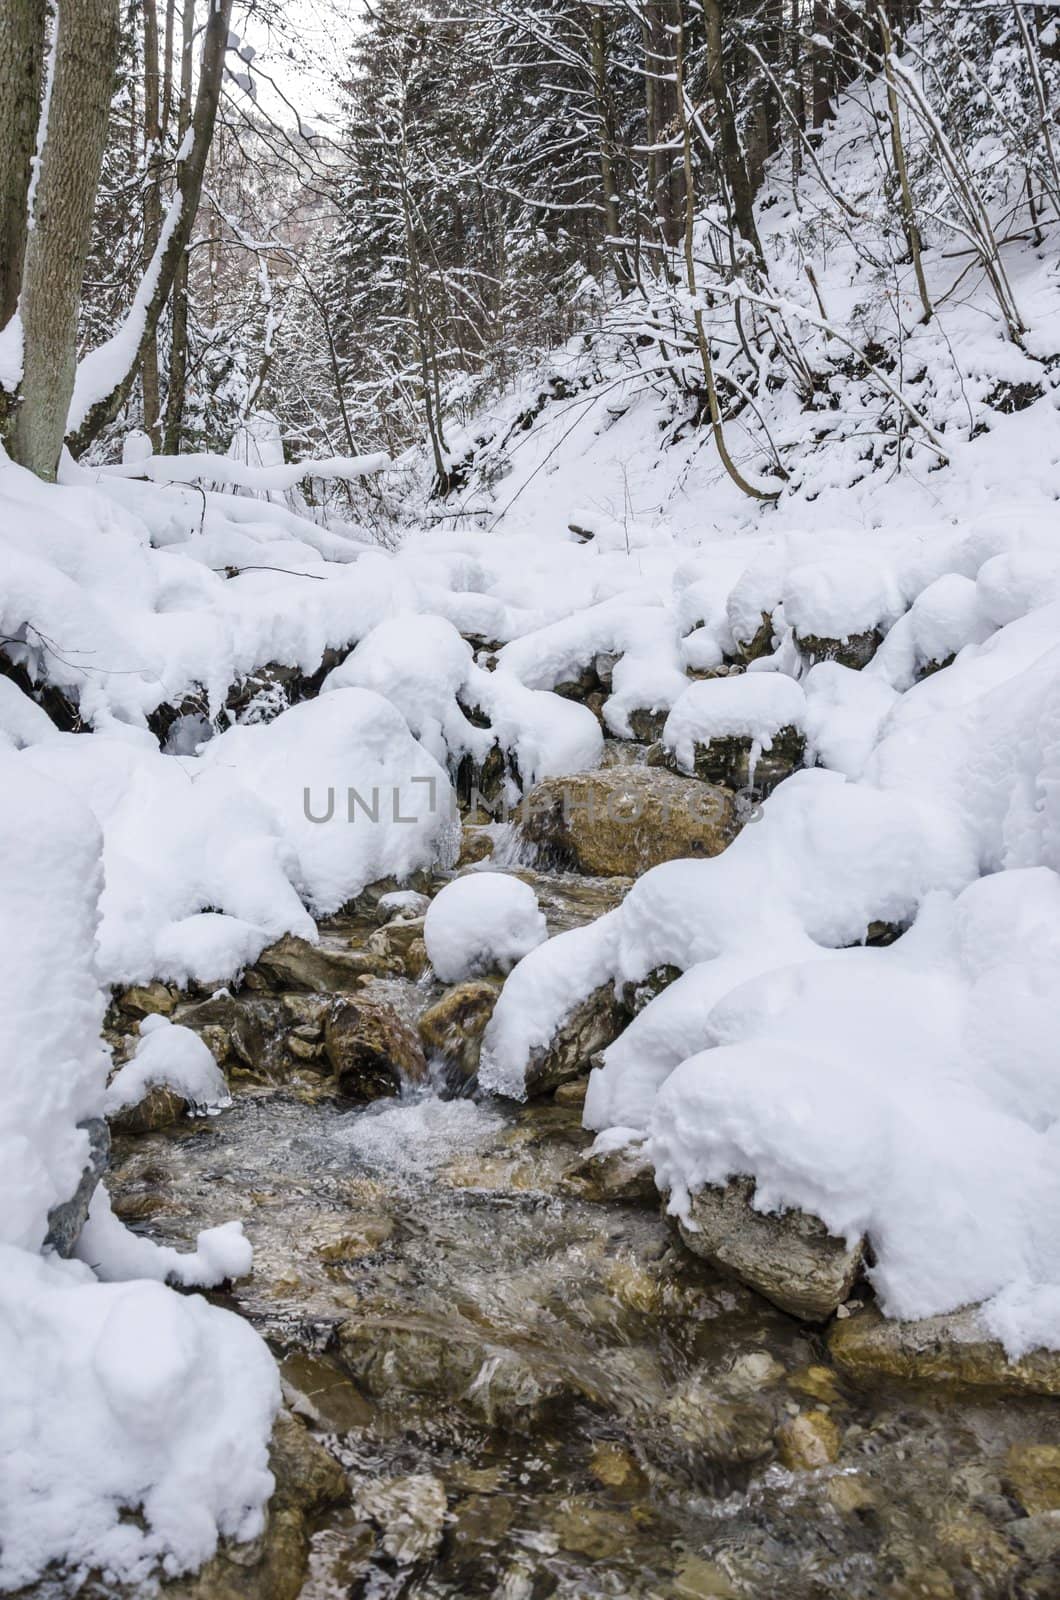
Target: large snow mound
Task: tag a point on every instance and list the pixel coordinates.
(484, 922)
(119, 1397)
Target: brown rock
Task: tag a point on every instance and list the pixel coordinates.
(372, 1052)
(955, 1350)
(624, 1174)
(593, 1024)
(147, 1000)
(273, 1566)
(622, 820)
(808, 1441)
(159, 1108)
(856, 651)
(1033, 1472)
(790, 1257)
(293, 963)
(727, 760)
(453, 1028)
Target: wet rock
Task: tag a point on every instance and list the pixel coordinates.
(724, 1430)
(647, 725)
(808, 1441)
(729, 761)
(591, 1530)
(623, 820)
(325, 1397)
(147, 1000)
(592, 1025)
(818, 1382)
(410, 1511)
(635, 996)
(1032, 1471)
(791, 1258)
(624, 1174)
(273, 1566)
(760, 644)
(66, 1220)
(159, 1108)
(955, 1350)
(392, 1358)
(371, 1051)
(241, 1030)
(397, 943)
(454, 1027)
(293, 963)
(476, 845)
(968, 1544)
(855, 652)
(573, 1094)
(614, 1467)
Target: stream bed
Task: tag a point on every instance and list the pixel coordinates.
(536, 1393)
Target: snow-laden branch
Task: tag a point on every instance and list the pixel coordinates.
(223, 472)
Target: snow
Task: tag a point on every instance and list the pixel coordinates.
(117, 1396)
(124, 1395)
(484, 922)
(754, 706)
(168, 1056)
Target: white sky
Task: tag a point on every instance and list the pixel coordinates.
(304, 46)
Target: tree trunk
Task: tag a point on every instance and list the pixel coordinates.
(176, 386)
(664, 174)
(733, 163)
(21, 59)
(85, 61)
(822, 64)
(605, 142)
(152, 207)
(177, 237)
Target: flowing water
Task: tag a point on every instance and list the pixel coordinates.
(535, 1394)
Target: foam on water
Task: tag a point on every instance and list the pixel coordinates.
(413, 1137)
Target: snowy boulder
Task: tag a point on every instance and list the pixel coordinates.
(744, 731)
(789, 1256)
(171, 1071)
(840, 607)
(956, 1350)
(370, 1049)
(484, 922)
(621, 821)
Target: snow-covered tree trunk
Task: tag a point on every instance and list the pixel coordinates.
(21, 57)
(76, 109)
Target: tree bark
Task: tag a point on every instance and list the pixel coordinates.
(189, 190)
(152, 207)
(177, 381)
(733, 162)
(21, 60)
(86, 52)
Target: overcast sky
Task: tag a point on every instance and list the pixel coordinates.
(305, 53)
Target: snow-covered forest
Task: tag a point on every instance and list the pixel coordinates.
(530, 795)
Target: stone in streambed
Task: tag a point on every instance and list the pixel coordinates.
(808, 1441)
(855, 651)
(294, 963)
(622, 820)
(1032, 1471)
(593, 1024)
(66, 1220)
(789, 1257)
(954, 1350)
(159, 1108)
(371, 1051)
(273, 1566)
(453, 1028)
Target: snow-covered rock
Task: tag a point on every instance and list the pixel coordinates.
(483, 922)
